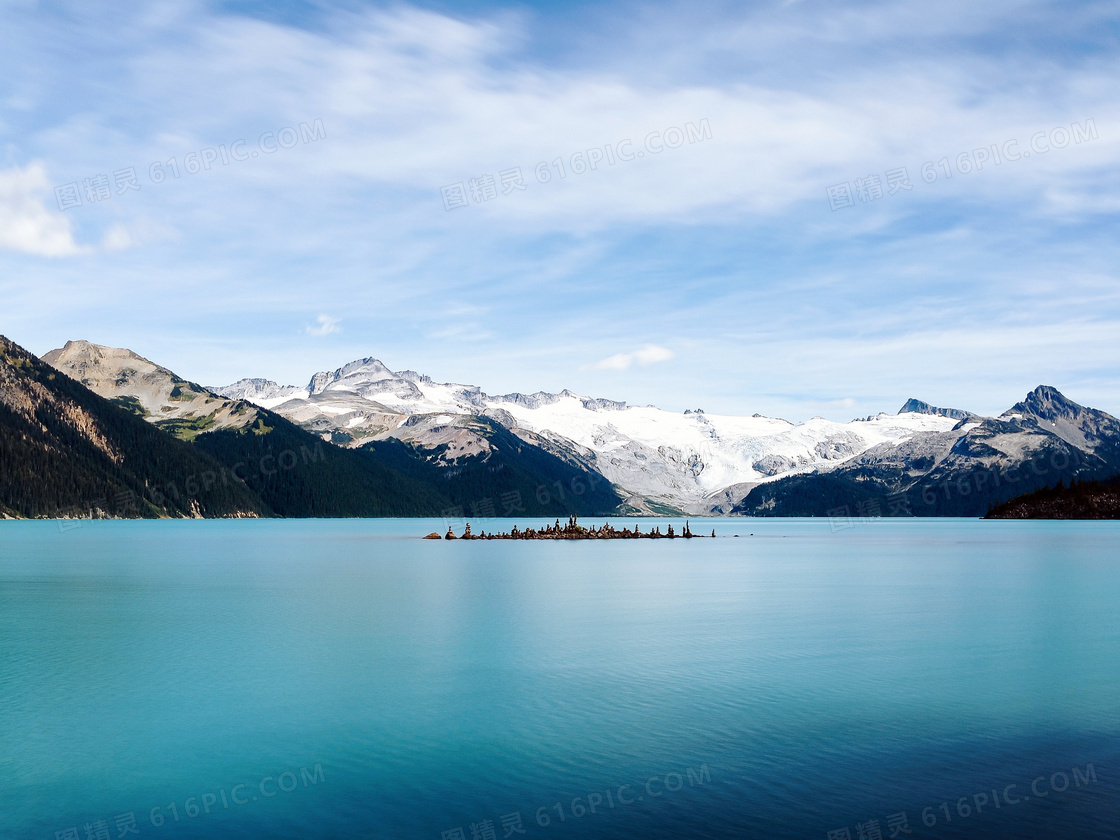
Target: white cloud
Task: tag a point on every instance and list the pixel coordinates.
(648, 355)
(326, 326)
(26, 224)
(392, 87)
(797, 99)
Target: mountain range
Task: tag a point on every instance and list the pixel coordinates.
(364, 440)
(661, 461)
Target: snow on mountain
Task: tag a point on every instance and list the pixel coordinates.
(913, 406)
(688, 461)
(684, 459)
(262, 392)
(961, 472)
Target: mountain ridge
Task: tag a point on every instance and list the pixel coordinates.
(401, 443)
(916, 406)
(665, 459)
(1042, 440)
(66, 452)
(455, 464)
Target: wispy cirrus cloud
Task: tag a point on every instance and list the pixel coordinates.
(724, 242)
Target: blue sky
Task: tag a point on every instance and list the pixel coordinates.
(712, 270)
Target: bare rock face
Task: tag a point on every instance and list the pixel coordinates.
(913, 406)
(839, 447)
(262, 392)
(153, 392)
(773, 464)
(1046, 408)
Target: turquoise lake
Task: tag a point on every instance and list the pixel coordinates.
(345, 679)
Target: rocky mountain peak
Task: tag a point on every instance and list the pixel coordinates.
(534, 401)
(116, 373)
(913, 406)
(79, 348)
(255, 389)
(82, 355)
(1047, 403)
(368, 369)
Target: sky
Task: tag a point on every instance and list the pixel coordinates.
(792, 207)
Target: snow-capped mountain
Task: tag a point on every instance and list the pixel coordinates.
(260, 392)
(692, 461)
(687, 459)
(471, 463)
(981, 461)
(425, 446)
(918, 407)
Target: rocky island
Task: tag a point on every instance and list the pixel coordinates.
(572, 531)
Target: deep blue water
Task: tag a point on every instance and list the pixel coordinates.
(343, 679)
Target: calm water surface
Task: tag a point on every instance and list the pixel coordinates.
(343, 679)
